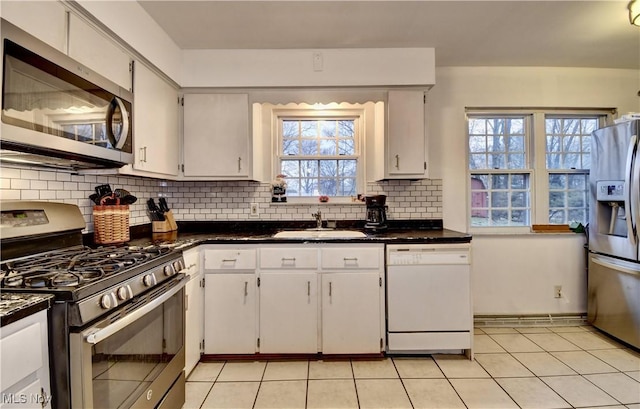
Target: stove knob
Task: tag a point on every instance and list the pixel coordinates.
(168, 270)
(106, 301)
(123, 293)
(178, 265)
(148, 280)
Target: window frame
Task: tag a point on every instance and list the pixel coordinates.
(350, 113)
(535, 158)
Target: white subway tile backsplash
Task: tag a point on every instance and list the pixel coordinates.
(216, 200)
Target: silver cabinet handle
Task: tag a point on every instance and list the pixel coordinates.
(229, 260)
(309, 288)
(350, 258)
(246, 283)
(398, 162)
(239, 164)
(330, 288)
(143, 154)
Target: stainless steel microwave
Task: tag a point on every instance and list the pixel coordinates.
(58, 113)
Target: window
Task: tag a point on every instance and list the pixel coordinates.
(319, 155)
(506, 150)
(568, 158)
(500, 181)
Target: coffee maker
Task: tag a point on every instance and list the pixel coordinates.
(376, 212)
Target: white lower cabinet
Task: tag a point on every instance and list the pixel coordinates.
(288, 299)
(288, 312)
(351, 313)
(230, 317)
(24, 368)
(230, 321)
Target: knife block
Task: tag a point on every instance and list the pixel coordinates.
(169, 224)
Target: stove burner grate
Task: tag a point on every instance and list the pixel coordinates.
(74, 267)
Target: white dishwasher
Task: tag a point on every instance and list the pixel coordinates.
(429, 298)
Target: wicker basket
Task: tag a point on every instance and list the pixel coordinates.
(110, 224)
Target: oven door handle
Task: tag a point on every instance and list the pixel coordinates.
(97, 335)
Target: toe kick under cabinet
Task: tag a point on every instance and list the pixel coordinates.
(295, 298)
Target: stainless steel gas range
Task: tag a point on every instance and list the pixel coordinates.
(117, 322)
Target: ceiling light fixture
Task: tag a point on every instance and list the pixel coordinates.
(634, 12)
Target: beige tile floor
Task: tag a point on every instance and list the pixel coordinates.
(553, 367)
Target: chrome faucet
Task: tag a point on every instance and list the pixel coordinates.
(318, 217)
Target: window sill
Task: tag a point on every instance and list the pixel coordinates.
(313, 201)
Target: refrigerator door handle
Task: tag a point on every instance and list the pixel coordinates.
(635, 189)
(616, 265)
(631, 192)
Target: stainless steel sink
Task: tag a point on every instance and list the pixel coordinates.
(319, 234)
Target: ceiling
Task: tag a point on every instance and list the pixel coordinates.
(463, 33)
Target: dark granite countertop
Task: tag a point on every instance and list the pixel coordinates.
(15, 306)
(399, 232)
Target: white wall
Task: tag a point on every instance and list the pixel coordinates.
(297, 68)
(516, 274)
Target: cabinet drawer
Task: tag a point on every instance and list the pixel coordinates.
(230, 259)
(21, 354)
(288, 258)
(351, 258)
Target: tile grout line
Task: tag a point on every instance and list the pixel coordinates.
(393, 362)
(355, 385)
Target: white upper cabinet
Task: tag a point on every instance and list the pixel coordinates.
(98, 52)
(155, 125)
(216, 141)
(45, 20)
(405, 139)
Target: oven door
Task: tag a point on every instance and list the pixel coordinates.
(134, 357)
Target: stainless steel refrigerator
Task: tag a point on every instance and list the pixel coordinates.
(613, 303)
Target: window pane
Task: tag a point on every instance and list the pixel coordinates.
(328, 128)
(327, 187)
(494, 137)
(477, 144)
(289, 129)
(478, 161)
(500, 199)
(328, 147)
(519, 199)
(516, 161)
(500, 182)
(557, 181)
(516, 144)
(347, 187)
(290, 147)
(568, 198)
(309, 147)
(329, 168)
(309, 168)
(568, 141)
(347, 168)
(346, 128)
(309, 128)
(290, 168)
(346, 147)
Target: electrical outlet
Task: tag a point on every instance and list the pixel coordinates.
(557, 291)
(254, 210)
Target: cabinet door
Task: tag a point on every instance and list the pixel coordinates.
(351, 313)
(98, 52)
(45, 20)
(288, 312)
(230, 314)
(406, 141)
(194, 322)
(194, 314)
(155, 121)
(216, 136)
